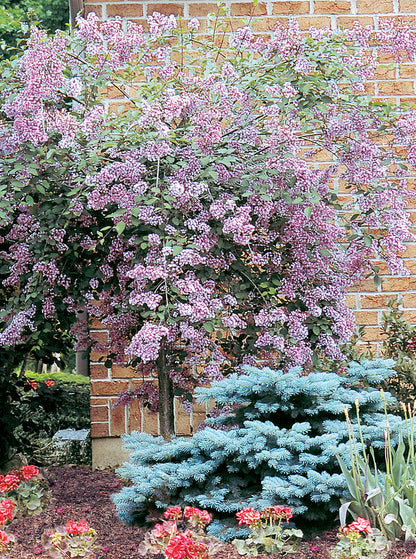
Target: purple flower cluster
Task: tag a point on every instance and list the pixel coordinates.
(197, 221)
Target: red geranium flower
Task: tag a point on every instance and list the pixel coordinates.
(9, 483)
(4, 540)
(248, 516)
(27, 472)
(33, 384)
(76, 528)
(359, 525)
(164, 530)
(202, 516)
(176, 548)
(6, 510)
(173, 513)
(49, 382)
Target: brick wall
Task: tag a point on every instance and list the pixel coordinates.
(396, 83)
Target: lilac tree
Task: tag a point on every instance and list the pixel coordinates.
(196, 223)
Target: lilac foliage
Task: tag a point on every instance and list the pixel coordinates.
(197, 221)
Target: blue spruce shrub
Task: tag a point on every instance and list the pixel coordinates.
(276, 444)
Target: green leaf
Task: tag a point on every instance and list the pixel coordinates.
(176, 250)
(120, 227)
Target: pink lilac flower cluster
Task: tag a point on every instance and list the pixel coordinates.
(199, 230)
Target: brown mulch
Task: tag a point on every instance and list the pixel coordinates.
(81, 493)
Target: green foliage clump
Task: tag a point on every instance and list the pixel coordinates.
(43, 410)
(16, 15)
(274, 440)
(400, 345)
(58, 376)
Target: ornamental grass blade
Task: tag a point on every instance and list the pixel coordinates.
(355, 488)
(399, 463)
(343, 509)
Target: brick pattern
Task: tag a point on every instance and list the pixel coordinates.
(395, 83)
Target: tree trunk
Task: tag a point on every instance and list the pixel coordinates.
(166, 416)
(75, 7)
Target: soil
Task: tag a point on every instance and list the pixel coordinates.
(79, 493)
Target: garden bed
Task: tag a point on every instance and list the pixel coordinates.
(80, 493)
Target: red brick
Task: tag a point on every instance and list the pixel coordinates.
(407, 6)
(306, 22)
(99, 430)
(203, 9)
(348, 21)
(122, 372)
(125, 10)
(351, 301)
(332, 7)
(407, 71)
(374, 6)
(100, 336)
(167, 9)
(118, 420)
(96, 9)
(248, 9)
(373, 335)
(410, 316)
(363, 285)
(97, 325)
(265, 23)
(99, 413)
(410, 250)
(182, 422)
(99, 371)
(409, 300)
(374, 301)
(288, 7)
(197, 419)
(385, 72)
(135, 416)
(150, 422)
(108, 388)
(365, 318)
(395, 87)
(399, 284)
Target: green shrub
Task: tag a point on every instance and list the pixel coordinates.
(42, 410)
(400, 345)
(273, 442)
(59, 376)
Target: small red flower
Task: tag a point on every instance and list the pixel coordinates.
(76, 528)
(176, 548)
(33, 384)
(9, 483)
(164, 530)
(183, 547)
(248, 516)
(27, 472)
(359, 525)
(4, 540)
(173, 513)
(6, 510)
(201, 516)
(49, 382)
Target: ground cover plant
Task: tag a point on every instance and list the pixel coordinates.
(194, 215)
